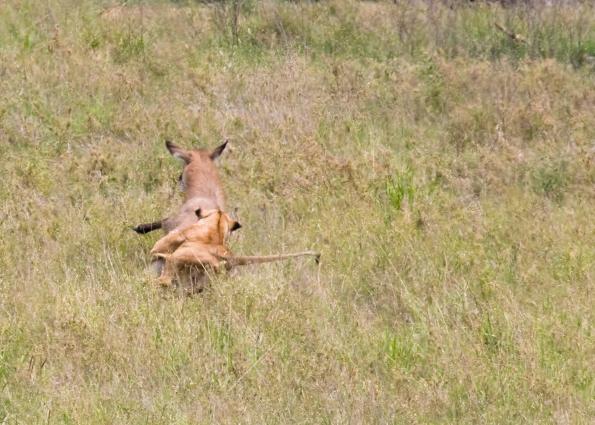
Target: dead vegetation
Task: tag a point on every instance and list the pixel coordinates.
(443, 169)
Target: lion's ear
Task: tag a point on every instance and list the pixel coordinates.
(235, 226)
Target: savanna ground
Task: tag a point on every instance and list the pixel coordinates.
(444, 170)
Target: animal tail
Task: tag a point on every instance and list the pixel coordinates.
(243, 260)
(147, 227)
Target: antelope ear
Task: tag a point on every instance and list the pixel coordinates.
(218, 150)
(177, 151)
(235, 226)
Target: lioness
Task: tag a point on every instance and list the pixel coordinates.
(203, 244)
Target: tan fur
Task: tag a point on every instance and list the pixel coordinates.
(203, 244)
(244, 260)
(201, 184)
(196, 235)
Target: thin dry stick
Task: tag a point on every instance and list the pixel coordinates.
(252, 366)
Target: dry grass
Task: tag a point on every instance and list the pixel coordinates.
(444, 170)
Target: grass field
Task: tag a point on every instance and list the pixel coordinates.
(444, 169)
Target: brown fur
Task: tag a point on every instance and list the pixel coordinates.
(203, 244)
(201, 184)
(196, 235)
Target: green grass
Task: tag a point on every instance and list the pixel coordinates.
(444, 171)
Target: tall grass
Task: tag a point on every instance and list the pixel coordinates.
(443, 168)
